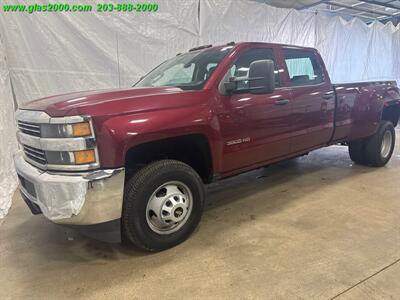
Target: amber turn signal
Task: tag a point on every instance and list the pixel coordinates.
(81, 129)
(84, 157)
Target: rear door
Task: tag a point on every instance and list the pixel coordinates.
(313, 98)
(254, 127)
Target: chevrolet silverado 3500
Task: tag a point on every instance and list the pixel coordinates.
(139, 157)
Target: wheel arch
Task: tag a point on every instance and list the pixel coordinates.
(193, 149)
(391, 113)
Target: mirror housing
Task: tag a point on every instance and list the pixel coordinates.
(261, 78)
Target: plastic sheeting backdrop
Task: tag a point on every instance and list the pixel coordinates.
(52, 53)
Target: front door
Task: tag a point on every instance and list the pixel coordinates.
(255, 127)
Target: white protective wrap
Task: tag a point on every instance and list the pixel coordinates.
(8, 142)
(52, 53)
(58, 197)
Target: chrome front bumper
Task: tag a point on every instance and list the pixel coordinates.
(78, 199)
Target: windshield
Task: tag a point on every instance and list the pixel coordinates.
(189, 71)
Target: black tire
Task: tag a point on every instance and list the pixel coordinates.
(138, 190)
(373, 145)
(357, 152)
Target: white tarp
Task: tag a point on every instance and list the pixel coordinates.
(241, 20)
(50, 53)
(53, 53)
(353, 51)
(8, 143)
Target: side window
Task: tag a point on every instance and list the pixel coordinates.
(241, 67)
(303, 67)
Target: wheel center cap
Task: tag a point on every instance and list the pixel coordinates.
(178, 212)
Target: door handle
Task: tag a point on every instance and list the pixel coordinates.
(282, 102)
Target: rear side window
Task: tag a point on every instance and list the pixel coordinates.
(303, 67)
(241, 66)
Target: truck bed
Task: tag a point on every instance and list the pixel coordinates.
(359, 106)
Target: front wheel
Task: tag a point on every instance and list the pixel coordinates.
(163, 204)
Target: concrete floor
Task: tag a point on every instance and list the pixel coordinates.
(317, 227)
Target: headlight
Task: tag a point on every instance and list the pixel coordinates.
(82, 129)
(81, 157)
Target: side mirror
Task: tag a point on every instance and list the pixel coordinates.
(262, 76)
(260, 79)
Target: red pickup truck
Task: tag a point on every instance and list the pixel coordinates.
(138, 158)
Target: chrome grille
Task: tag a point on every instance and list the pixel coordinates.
(34, 154)
(29, 128)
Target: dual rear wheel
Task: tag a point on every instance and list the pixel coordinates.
(375, 150)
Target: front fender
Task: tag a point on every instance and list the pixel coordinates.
(116, 135)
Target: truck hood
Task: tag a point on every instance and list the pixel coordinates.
(106, 102)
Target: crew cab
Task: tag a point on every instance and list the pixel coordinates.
(138, 158)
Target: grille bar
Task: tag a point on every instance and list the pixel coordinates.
(34, 150)
(36, 155)
(40, 161)
(29, 128)
(27, 124)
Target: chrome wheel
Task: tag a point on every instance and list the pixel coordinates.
(169, 207)
(386, 145)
